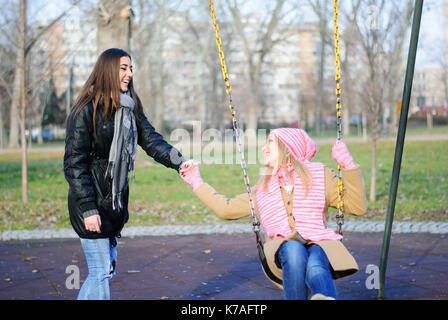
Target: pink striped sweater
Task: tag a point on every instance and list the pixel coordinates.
(307, 212)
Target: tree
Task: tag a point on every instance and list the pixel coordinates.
(5, 97)
(114, 24)
(381, 44)
(52, 113)
(321, 9)
(29, 43)
(152, 29)
(21, 60)
(209, 89)
(159, 65)
(20, 89)
(256, 52)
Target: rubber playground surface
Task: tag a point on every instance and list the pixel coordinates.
(217, 267)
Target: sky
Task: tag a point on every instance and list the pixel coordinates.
(430, 39)
(431, 34)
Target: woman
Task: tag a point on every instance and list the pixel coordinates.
(103, 129)
(291, 200)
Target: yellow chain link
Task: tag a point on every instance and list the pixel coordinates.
(340, 205)
(225, 75)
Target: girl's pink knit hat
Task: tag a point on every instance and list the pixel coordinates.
(300, 144)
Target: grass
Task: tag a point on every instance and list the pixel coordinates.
(159, 197)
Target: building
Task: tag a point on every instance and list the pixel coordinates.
(185, 75)
(67, 53)
(194, 88)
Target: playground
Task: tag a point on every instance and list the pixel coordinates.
(220, 260)
(216, 267)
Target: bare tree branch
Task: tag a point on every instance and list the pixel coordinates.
(30, 42)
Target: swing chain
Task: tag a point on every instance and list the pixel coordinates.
(340, 205)
(255, 223)
(340, 188)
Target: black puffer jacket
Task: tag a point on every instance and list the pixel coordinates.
(85, 163)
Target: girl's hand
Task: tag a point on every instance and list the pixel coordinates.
(189, 172)
(187, 165)
(342, 156)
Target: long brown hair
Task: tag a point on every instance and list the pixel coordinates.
(102, 88)
(284, 157)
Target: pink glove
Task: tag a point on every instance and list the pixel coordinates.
(189, 172)
(341, 155)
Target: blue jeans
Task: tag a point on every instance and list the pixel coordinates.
(101, 257)
(305, 267)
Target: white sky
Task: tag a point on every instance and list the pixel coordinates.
(430, 51)
(431, 42)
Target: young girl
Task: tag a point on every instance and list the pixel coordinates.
(291, 200)
(103, 130)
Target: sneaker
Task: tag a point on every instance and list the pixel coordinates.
(320, 296)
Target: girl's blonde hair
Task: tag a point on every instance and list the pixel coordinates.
(284, 157)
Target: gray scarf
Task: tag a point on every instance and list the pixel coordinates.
(123, 149)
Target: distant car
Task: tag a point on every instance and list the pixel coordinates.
(47, 135)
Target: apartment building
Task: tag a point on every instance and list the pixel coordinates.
(67, 53)
(190, 76)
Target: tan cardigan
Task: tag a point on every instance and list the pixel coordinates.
(354, 200)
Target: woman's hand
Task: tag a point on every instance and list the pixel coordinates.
(342, 156)
(186, 166)
(93, 223)
(189, 172)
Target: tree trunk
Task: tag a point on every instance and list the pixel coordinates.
(14, 111)
(394, 117)
(201, 90)
(373, 107)
(364, 125)
(320, 8)
(253, 98)
(320, 93)
(113, 25)
(429, 120)
(2, 129)
(252, 110)
(384, 126)
(346, 118)
(255, 58)
(359, 124)
(21, 54)
(373, 171)
(348, 103)
(160, 91)
(40, 139)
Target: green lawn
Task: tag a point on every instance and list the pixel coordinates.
(159, 196)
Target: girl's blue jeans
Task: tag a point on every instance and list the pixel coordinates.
(101, 257)
(305, 267)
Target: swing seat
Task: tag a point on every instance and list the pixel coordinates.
(270, 272)
(342, 262)
(267, 253)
